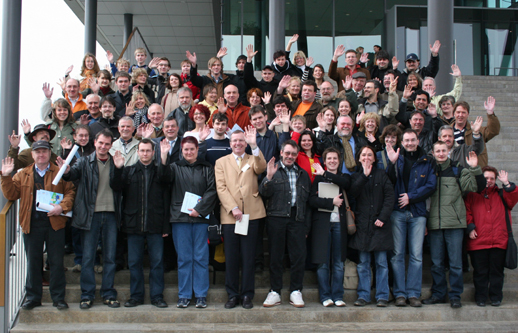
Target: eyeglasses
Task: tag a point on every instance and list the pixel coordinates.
(288, 153)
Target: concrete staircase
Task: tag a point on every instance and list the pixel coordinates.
(503, 154)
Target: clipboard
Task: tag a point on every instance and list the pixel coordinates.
(328, 191)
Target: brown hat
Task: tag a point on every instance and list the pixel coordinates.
(41, 127)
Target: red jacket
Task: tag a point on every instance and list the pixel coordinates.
(486, 212)
(303, 162)
(195, 90)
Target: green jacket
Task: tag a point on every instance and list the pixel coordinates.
(447, 209)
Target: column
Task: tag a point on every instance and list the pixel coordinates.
(276, 27)
(128, 27)
(90, 26)
(440, 27)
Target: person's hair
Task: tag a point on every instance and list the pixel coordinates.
(122, 74)
(391, 130)
(61, 102)
(250, 92)
(140, 50)
(367, 116)
(438, 143)
(351, 51)
(208, 88)
(168, 82)
(390, 71)
(235, 132)
(383, 54)
(165, 58)
(182, 89)
(96, 68)
(105, 132)
(212, 61)
(379, 47)
(464, 104)
(135, 73)
(349, 102)
(278, 54)
(310, 83)
(202, 108)
(144, 141)
(189, 139)
(296, 79)
(73, 79)
(418, 113)
(82, 126)
(422, 92)
(444, 128)
(171, 118)
(299, 118)
(377, 84)
(241, 57)
(256, 109)
(346, 116)
(331, 150)
(122, 61)
(409, 130)
(429, 78)
(108, 99)
(126, 118)
(299, 54)
(418, 78)
(321, 68)
(104, 73)
(490, 169)
(281, 100)
(290, 143)
(313, 138)
(359, 153)
(221, 117)
(186, 61)
(138, 93)
(158, 106)
(332, 109)
(447, 98)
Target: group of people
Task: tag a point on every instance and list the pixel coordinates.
(166, 159)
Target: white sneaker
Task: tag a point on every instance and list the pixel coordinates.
(272, 299)
(327, 303)
(340, 303)
(296, 299)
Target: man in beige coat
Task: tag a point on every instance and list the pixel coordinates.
(238, 192)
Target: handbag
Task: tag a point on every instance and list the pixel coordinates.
(349, 216)
(511, 254)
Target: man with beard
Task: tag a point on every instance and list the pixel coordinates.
(181, 113)
(327, 91)
(372, 103)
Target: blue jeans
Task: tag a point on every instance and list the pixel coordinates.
(364, 276)
(90, 238)
(190, 241)
(440, 240)
(406, 227)
(155, 249)
(331, 283)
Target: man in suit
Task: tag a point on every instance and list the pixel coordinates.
(238, 192)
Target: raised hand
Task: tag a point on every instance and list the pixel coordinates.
(66, 143)
(364, 57)
(393, 84)
(164, 150)
(503, 176)
(222, 107)
(26, 126)
(191, 57)
(107, 67)
(14, 140)
(47, 91)
(472, 159)
(130, 109)
(489, 105)
(271, 168)
(359, 117)
(284, 117)
(92, 82)
(250, 54)
(109, 56)
(84, 119)
(340, 51)
(435, 48)
(321, 122)
(348, 83)
(309, 61)
(140, 129)
(407, 92)
(456, 70)
(118, 159)
(267, 97)
(285, 82)
(7, 166)
(432, 110)
(204, 133)
(319, 171)
(154, 62)
(337, 201)
(293, 39)
(62, 83)
(250, 137)
(222, 52)
(367, 168)
(149, 129)
(395, 62)
(69, 69)
(475, 126)
(430, 91)
(392, 155)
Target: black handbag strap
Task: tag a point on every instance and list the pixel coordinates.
(507, 220)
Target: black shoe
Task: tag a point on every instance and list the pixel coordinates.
(247, 303)
(455, 303)
(433, 300)
(86, 304)
(29, 305)
(69, 249)
(481, 303)
(119, 267)
(361, 302)
(112, 302)
(159, 303)
(132, 303)
(61, 305)
(382, 303)
(496, 303)
(201, 302)
(231, 303)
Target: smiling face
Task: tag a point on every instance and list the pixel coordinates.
(199, 118)
(329, 117)
(267, 75)
(107, 110)
(359, 83)
(41, 156)
(390, 140)
(447, 108)
(297, 125)
(186, 68)
(367, 156)
(332, 162)
(126, 129)
(189, 152)
(61, 114)
(142, 79)
(241, 65)
(81, 137)
(421, 102)
(327, 91)
(281, 61)
(344, 126)
(428, 85)
(231, 95)
(440, 152)
(344, 108)
(155, 115)
(72, 88)
(412, 65)
(299, 61)
(89, 63)
(258, 120)
(163, 67)
(461, 115)
(370, 126)
(308, 93)
(104, 81)
(289, 155)
(413, 82)
(294, 88)
(92, 104)
(278, 108)
(417, 122)
(215, 69)
(238, 143)
(212, 96)
(140, 102)
(184, 99)
(170, 129)
(370, 90)
(490, 178)
(317, 73)
(410, 141)
(174, 82)
(123, 67)
(123, 84)
(351, 59)
(306, 143)
(102, 146)
(387, 79)
(255, 99)
(382, 63)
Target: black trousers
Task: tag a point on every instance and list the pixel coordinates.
(33, 242)
(488, 273)
(240, 249)
(280, 231)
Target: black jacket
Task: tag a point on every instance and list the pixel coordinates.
(197, 178)
(185, 123)
(139, 215)
(85, 170)
(278, 193)
(330, 139)
(120, 102)
(252, 82)
(374, 201)
(102, 123)
(157, 84)
(431, 70)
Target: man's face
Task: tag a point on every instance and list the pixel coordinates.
(289, 155)
(308, 93)
(241, 65)
(428, 85)
(238, 143)
(186, 68)
(163, 67)
(107, 110)
(332, 161)
(102, 146)
(215, 69)
(123, 67)
(280, 61)
(351, 59)
(344, 126)
(278, 108)
(298, 125)
(145, 153)
(440, 152)
(258, 120)
(369, 90)
(41, 156)
(447, 107)
(142, 79)
(72, 88)
(141, 58)
(412, 65)
(170, 129)
(81, 137)
(490, 178)
(417, 123)
(155, 115)
(461, 115)
(382, 63)
(387, 79)
(231, 95)
(41, 136)
(184, 98)
(410, 142)
(447, 137)
(327, 91)
(123, 84)
(267, 75)
(421, 102)
(220, 127)
(126, 129)
(359, 83)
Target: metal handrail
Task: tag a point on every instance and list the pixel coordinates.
(13, 264)
(500, 68)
